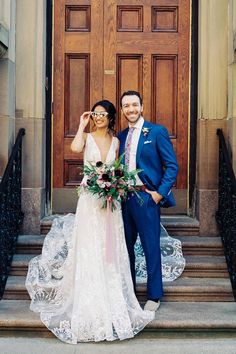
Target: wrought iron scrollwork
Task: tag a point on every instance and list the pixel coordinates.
(11, 216)
(226, 213)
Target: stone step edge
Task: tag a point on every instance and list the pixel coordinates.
(156, 326)
(176, 225)
(31, 321)
(200, 245)
(191, 260)
(141, 288)
(188, 250)
(209, 274)
(178, 219)
(173, 231)
(194, 265)
(223, 298)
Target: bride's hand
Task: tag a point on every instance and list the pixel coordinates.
(84, 119)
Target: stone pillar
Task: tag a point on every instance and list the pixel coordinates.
(232, 81)
(212, 105)
(7, 83)
(30, 105)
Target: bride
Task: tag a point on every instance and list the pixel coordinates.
(82, 295)
(79, 294)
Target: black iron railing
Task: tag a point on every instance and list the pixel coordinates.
(11, 216)
(226, 213)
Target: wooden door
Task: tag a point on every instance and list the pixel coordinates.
(105, 47)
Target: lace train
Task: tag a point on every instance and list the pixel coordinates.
(173, 262)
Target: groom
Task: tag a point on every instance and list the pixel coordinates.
(147, 146)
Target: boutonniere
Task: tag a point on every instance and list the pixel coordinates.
(145, 131)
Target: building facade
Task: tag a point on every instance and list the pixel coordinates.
(191, 46)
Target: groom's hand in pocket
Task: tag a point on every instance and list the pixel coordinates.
(155, 196)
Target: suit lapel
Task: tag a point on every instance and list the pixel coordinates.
(141, 141)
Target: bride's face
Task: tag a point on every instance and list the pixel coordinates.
(100, 117)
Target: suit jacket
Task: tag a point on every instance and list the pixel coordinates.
(156, 157)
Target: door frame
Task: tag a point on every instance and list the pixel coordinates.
(193, 103)
(192, 129)
(48, 106)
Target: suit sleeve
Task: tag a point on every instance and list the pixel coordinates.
(169, 162)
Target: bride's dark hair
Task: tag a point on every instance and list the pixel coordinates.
(111, 110)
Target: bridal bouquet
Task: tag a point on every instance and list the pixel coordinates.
(110, 182)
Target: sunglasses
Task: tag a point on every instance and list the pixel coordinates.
(99, 114)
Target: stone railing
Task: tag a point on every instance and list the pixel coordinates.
(226, 213)
(11, 216)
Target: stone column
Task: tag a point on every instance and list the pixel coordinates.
(30, 105)
(212, 105)
(7, 83)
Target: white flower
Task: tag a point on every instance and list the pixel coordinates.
(145, 131)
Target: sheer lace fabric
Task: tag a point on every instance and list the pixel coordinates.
(80, 293)
(172, 260)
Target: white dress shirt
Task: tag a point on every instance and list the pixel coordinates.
(133, 148)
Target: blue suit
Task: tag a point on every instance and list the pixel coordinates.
(155, 156)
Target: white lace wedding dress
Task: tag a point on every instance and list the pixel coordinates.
(81, 294)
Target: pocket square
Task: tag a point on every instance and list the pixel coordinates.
(147, 141)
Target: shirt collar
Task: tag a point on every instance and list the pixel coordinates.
(138, 124)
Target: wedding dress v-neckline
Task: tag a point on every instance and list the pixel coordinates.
(108, 152)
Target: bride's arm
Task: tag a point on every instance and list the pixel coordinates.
(79, 140)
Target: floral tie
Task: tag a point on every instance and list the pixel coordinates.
(128, 145)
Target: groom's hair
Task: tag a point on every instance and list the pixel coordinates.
(131, 93)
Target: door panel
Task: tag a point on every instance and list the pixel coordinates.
(78, 76)
(148, 50)
(105, 47)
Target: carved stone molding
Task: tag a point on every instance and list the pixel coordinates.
(4, 40)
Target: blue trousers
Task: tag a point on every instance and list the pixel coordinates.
(144, 220)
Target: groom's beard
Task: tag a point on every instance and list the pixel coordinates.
(133, 121)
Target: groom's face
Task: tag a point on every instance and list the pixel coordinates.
(132, 108)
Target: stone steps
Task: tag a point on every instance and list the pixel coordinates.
(196, 266)
(172, 317)
(175, 224)
(182, 289)
(201, 245)
(29, 244)
(192, 245)
(193, 289)
(202, 266)
(201, 301)
(180, 225)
